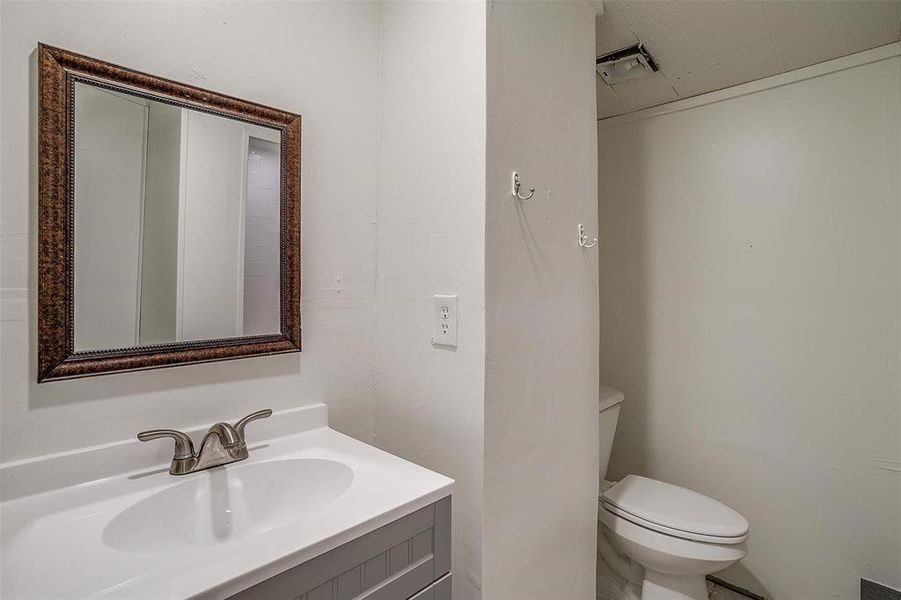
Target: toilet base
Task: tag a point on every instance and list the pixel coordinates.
(660, 586)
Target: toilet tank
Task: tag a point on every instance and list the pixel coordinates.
(609, 404)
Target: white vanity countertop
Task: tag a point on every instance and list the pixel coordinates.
(52, 540)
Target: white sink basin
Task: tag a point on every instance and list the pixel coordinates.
(227, 503)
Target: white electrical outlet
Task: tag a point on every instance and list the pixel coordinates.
(444, 321)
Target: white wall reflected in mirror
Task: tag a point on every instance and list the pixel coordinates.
(177, 220)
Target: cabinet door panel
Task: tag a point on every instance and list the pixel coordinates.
(398, 560)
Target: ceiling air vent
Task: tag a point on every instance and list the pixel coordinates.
(634, 62)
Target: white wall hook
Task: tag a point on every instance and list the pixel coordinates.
(583, 239)
(516, 186)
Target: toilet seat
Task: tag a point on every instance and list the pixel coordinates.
(675, 511)
(685, 535)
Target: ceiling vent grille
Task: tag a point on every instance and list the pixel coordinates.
(634, 62)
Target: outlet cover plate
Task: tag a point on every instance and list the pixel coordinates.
(444, 320)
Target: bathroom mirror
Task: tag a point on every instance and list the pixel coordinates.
(169, 222)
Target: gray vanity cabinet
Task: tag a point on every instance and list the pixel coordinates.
(409, 558)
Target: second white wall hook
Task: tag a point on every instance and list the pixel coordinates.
(583, 239)
(516, 186)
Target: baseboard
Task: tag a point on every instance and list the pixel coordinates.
(740, 590)
(870, 590)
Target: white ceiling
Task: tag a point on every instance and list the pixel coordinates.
(707, 45)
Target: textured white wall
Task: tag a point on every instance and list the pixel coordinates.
(431, 240)
(541, 388)
(267, 52)
(750, 312)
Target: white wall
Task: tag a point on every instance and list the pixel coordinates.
(750, 312)
(159, 257)
(541, 388)
(211, 227)
(109, 181)
(268, 52)
(261, 241)
(431, 219)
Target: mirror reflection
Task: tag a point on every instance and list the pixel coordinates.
(176, 223)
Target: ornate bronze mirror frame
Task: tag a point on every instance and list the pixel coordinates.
(59, 71)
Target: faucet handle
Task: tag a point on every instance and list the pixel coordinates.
(260, 414)
(184, 448)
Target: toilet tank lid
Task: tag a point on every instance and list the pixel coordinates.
(675, 507)
(609, 397)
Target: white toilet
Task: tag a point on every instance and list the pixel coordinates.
(678, 536)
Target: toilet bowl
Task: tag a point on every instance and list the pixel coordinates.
(677, 535)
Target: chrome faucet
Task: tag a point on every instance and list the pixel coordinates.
(222, 444)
